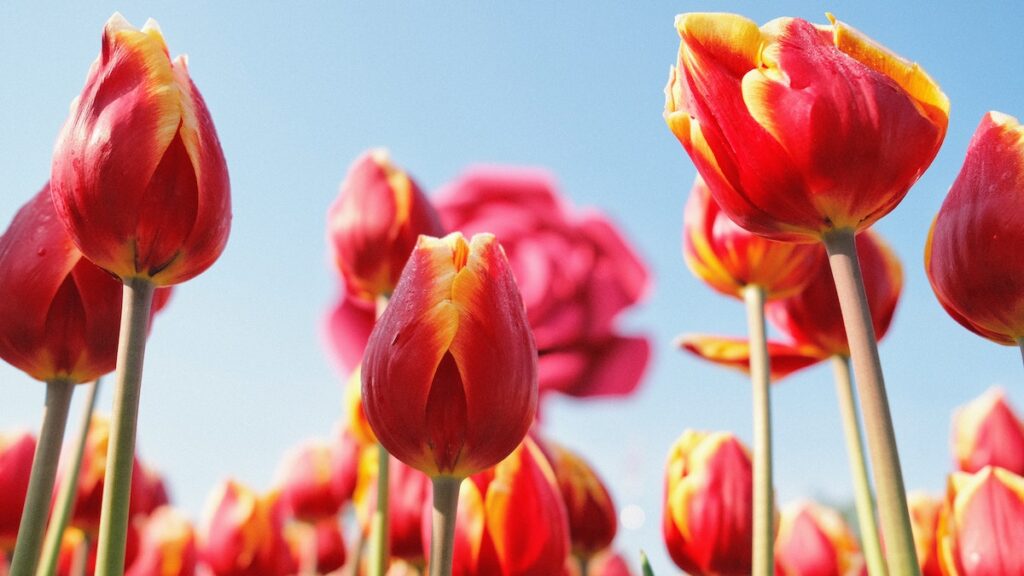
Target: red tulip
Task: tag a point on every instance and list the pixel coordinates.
(982, 525)
(609, 563)
(800, 129)
(167, 547)
(708, 514)
(972, 255)
(986, 432)
(346, 329)
(78, 545)
(925, 511)
(329, 542)
(576, 271)
(373, 224)
(784, 358)
(592, 516)
(138, 175)
(345, 465)
(16, 452)
(450, 375)
(729, 258)
(306, 482)
(815, 541)
(812, 317)
(408, 489)
(242, 534)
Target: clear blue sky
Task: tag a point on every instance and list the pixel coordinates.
(235, 370)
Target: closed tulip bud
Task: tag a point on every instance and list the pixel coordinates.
(138, 175)
(784, 358)
(812, 317)
(982, 525)
(306, 483)
(242, 534)
(373, 225)
(167, 546)
(972, 256)
(729, 258)
(925, 511)
(408, 489)
(450, 375)
(797, 128)
(345, 465)
(16, 452)
(708, 515)
(986, 432)
(592, 517)
(815, 541)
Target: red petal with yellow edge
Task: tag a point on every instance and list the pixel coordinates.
(986, 432)
(982, 533)
(784, 358)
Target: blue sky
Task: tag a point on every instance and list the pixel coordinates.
(235, 371)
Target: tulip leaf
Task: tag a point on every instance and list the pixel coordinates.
(645, 566)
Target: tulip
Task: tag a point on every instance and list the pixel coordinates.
(982, 525)
(316, 548)
(16, 452)
(345, 465)
(925, 511)
(373, 224)
(971, 254)
(815, 541)
(576, 270)
(592, 515)
(408, 489)
(78, 550)
(355, 413)
(784, 358)
(242, 533)
(609, 563)
(167, 546)
(305, 480)
(708, 514)
(346, 328)
(986, 432)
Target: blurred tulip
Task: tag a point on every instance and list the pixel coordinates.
(306, 483)
(355, 413)
(815, 541)
(784, 358)
(242, 534)
(576, 271)
(986, 432)
(924, 520)
(345, 465)
(373, 224)
(78, 548)
(16, 452)
(140, 138)
(346, 329)
(982, 526)
(511, 519)
(408, 489)
(799, 129)
(729, 258)
(450, 375)
(972, 256)
(592, 516)
(609, 563)
(708, 515)
(328, 539)
(812, 317)
(167, 546)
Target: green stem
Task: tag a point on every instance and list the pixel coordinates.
(68, 490)
(40, 484)
(379, 546)
(137, 299)
(442, 535)
(864, 500)
(867, 368)
(760, 379)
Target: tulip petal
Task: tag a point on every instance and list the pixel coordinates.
(784, 358)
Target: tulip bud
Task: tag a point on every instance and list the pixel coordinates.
(345, 465)
(708, 514)
(373, 224)
(609, 563)
(800, 129)
(925, 511)
(408, 489)
(815, 541)
(592, 517)
(986, 432)
(729, 258)
(450, 375)
(167, 546)
(16, 452)
(242, 534)
(784, 358)
(138, 176)
(306, 482)
(982, 525)
(972, 254)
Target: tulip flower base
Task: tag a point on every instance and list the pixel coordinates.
(892, 500)
(44, 471)
(442, 535)
(764, 518)
(137, 301)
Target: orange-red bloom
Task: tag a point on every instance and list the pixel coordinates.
(982, 527)
(306, 483)
(986, 432)
(925, 511)
(973, 255)
(800, 129)
(592, 518)
(138, 175)
(815, 541)
(708, 514)
(242, 533)
(729, 258)
(16, 452)
(450, 375)
(511, 519)
(167, 546)
(373, 224)
(785, 358)
(326, 536)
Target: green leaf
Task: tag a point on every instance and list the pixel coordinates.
(645, 566)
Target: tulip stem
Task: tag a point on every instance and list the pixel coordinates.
(867, 368)
(80, 557)
(137, 300)
(379, 545)
(355, 558)
(68, 490)
(582, 560)
(864, 500)
(40, 484)
(442, 536)
(760, 379)
(1020, 343)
